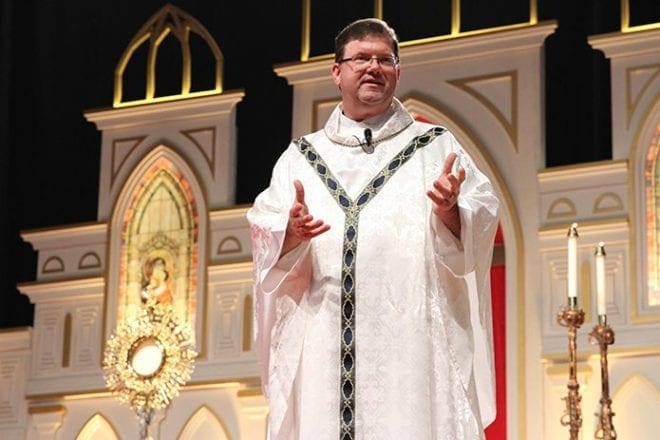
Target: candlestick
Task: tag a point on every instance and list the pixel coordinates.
(600, 279)
(572, 318)
(572, 263)
(603, 335)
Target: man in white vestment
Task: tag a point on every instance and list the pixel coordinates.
(372, 248)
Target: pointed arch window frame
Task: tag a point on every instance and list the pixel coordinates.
(651, 194)
(122, 202)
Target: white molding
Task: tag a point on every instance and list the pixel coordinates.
(443, 50)
(623, 44)
(564, 177)
(92, 233)
(15, 339)
(66, 290)
(158, 112)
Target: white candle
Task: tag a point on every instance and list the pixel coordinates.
(600, 278)
(572, 261)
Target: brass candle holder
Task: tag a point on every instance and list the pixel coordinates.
(572, 318)
(603, 335)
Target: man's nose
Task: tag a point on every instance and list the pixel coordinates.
(375, 64)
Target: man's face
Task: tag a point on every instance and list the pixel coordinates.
(369, 85)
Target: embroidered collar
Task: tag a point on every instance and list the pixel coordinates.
(349, 133)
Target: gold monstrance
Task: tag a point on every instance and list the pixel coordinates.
(147, 360)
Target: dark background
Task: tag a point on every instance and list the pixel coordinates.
(57, 59)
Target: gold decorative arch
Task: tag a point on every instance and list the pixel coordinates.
(169, 20)
(607, 202)
(52, 265)
(229, 245)
(90, 260)
(562, 207)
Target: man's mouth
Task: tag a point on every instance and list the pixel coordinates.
(372, 81)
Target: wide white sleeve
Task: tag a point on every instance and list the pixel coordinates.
(268, 219)
(470, 258)
(279, 285)
(478, 206)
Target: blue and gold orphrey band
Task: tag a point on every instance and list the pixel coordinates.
(352, 210)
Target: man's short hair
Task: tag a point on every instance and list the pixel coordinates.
(361, 29)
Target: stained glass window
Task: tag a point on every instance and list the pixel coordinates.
(652, 186)
(159, 244)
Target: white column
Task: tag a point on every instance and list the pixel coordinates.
(254, 413)
(45, 421)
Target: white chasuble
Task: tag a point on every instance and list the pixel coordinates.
(369, 331)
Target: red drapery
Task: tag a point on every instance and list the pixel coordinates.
(497, 430)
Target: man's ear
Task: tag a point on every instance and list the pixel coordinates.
(335, 70)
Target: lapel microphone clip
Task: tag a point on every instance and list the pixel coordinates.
(367, 146)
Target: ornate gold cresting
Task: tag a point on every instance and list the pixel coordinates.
(625, 20)
(572, 317)
(603, 335)
(379, 11)
(169, 20)
(455, 17)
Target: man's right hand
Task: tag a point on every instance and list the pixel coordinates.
(301, 226)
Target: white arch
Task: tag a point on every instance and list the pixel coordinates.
(97, 428)
(204, 424)
(635, 406)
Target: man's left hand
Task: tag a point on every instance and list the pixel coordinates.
(444, 194)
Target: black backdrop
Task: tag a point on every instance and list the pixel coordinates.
(57, 59)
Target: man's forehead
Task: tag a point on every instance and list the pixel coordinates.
(369, 42)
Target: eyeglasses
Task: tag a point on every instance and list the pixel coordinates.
(361, 61)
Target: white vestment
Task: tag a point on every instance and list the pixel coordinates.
(418, 327)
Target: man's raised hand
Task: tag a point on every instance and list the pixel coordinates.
(301, 226)
(444, 194)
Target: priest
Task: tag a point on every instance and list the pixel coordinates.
(372, 247)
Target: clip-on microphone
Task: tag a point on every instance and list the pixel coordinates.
(367, 147)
